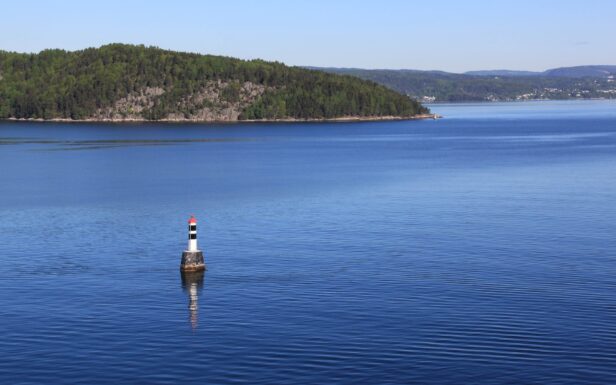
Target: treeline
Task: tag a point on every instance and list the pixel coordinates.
(450, 87)
(75, 85)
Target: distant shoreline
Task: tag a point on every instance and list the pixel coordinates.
(516, 101)
(288, 120)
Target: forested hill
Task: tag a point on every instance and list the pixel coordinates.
(118, 81)
(586, 82)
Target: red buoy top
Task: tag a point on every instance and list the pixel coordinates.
(192, 219)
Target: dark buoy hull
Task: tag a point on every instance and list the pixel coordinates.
(192, 261)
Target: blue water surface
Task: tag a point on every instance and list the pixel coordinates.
(475, 249)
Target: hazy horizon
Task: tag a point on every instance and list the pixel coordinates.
(332, 67)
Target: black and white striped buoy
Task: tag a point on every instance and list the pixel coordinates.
(192, 258)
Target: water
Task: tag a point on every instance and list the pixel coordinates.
(479, 248)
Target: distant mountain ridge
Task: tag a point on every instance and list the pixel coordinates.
(583, 71)
(597, 71)
(581, 82)
(502, 73)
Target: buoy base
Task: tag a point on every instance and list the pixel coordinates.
(192, 261)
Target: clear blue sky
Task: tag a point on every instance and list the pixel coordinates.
(451, 35)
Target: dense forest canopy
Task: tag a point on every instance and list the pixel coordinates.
(153, 83)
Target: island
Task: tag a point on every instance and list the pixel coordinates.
(120, 82)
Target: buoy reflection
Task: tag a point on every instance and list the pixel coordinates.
(192, 284)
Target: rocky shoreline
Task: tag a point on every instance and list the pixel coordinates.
(189, 120)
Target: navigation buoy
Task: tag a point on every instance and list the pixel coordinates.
(192, 258)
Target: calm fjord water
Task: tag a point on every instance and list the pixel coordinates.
(480, 248)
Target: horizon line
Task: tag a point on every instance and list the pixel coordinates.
(305, 65)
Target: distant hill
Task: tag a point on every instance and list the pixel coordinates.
(584, 82)
(596, 71)
(502, 73)
(128, 82)
(582, 71)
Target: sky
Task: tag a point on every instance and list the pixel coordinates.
(448, 35)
